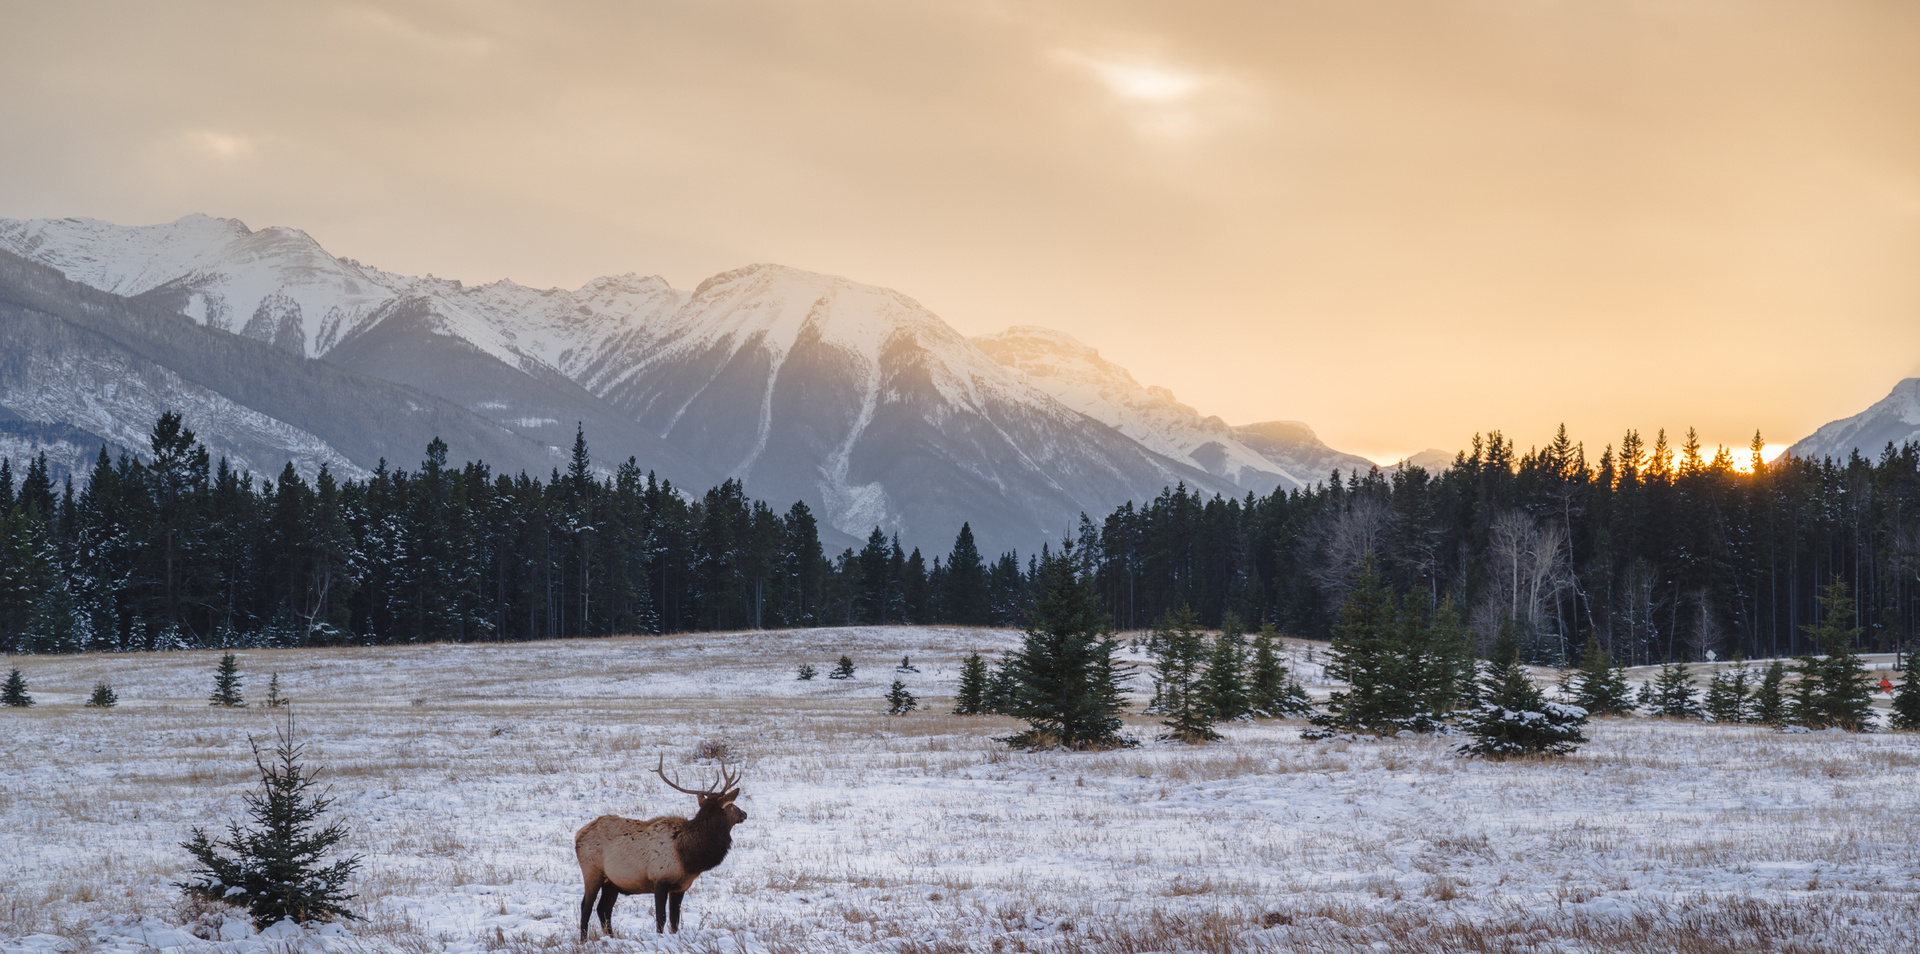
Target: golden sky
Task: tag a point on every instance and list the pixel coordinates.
(1401, 222)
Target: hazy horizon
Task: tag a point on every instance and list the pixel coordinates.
(1401, 226)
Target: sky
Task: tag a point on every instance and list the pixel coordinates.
(1400, 222)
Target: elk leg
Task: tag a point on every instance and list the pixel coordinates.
(660, 910)
(673, 909)
(586, 908)
(608, 895)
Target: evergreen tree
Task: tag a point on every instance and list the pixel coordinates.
(1906, 699)
(1271, 690)
(899, 700)
(1062, 680)
(1178, 649)
(971, 699)
(1728, 697)
(1807, 704)
(275, 867)
(965, 592)
(226, 684)
(1672, 693)
(806, 672)
(1514, 718)
(1223, 689)
(906, 665)
(843, 670)
(1845, 698)
(274, 699)
(103, 696)
(1769, 704)
(15, 692)
(1366, 655)
(1599, 686)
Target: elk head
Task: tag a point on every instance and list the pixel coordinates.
(715, 799)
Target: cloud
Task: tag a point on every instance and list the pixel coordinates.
(1162, 101)
(220, 145)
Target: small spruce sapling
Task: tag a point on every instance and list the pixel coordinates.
(103, 696)
(1846, 697)
(906, 665)
(1178, 650)
(15, 693)
(1769, 703)
(1223, 690)
(274, 699)
(226, 684)
(1514, 718)
(1673, 694)
(971, 697)
(1599, 686)
(1728, 698)
(1272, 691)
(842, 671)
(806, 672)
(276, 867)
(899, 700)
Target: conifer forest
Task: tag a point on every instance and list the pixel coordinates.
(1655, 553)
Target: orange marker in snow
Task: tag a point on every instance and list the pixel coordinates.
(1886, 685)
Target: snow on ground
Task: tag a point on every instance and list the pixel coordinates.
(463, 772)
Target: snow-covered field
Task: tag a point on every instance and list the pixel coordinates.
(463, 772)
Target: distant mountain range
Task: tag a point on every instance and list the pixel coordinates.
(851, 398)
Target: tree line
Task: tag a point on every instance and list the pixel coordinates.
(1653, 554)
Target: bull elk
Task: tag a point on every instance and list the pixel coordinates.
(658, 856)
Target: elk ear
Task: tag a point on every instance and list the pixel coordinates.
(727, 797)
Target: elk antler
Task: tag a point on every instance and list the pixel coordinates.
(728, 781)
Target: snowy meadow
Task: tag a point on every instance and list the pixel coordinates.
(463, 772)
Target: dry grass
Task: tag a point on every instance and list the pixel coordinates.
(921, 833)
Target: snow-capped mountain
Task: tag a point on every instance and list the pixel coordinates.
(851, 398)
(861, 402)
(80, 367)
(1256, 457)
(1894, 419)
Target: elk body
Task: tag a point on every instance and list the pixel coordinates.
(657, 856)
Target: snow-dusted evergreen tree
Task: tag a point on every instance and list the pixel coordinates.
(1672, 693)
(899, 700)
(971, 697)
(14, 693)
(226, 684)
(1366, 656)
(906, 665)
(1599, 686)
(103, 696)
(843, 669)
(1178, 650)
(1271, 689)
(1844, 698)
(806, 672)
(1514, 718)
(1223, 689)
(1728, 696)
(276, 868)
(1769, 703)
(1062, 680)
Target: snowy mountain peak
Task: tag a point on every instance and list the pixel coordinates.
(1894, 419)
(1075, 374)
